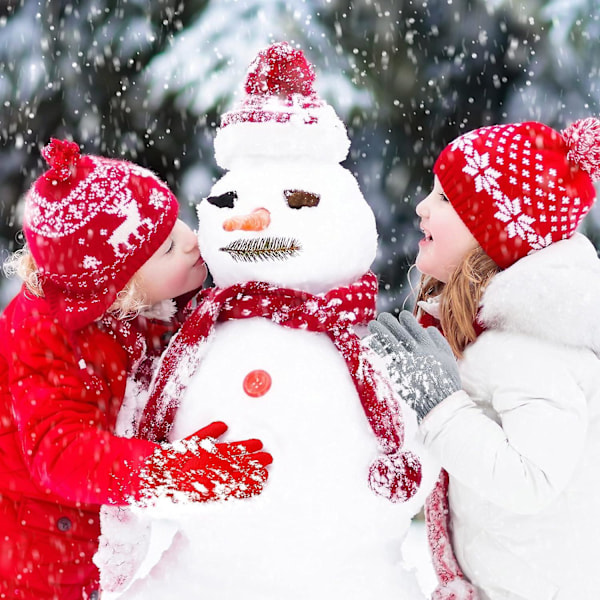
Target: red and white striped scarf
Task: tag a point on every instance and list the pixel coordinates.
(397, 473)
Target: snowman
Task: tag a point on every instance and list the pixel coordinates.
(273, 350)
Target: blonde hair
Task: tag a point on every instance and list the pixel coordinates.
(128, 304)
(460, 297)
(130, 301)
(21, 264)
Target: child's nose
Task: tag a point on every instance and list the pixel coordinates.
(191, 240)
(258, 220)
(421, 208)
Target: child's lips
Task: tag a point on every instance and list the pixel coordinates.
(199, 262)
(426, 235)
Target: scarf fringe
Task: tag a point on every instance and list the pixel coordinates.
(453, 585)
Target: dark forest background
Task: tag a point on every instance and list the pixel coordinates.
(147, 81)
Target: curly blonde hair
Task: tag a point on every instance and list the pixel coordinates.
(130, 301)
(21, 264)
(460, 297)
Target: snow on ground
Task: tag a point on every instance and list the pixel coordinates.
(417, 557)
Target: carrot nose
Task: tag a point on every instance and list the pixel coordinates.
(258, 220)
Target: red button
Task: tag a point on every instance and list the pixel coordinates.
(257, 383)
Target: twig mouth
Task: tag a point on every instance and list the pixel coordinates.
(261, 249)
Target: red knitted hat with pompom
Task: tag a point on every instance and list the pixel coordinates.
(279, 84)
(520, 187)
(280, 114)
(90, 224)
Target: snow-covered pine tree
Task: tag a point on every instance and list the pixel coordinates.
(147, 81)
(437, 69)
(564, 79)
(201, 71)
(64, 70)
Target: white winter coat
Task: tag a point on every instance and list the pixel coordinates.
(521, 441)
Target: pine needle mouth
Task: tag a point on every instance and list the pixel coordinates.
(262, 249)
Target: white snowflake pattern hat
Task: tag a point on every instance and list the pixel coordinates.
(90, 224)
(520, 187)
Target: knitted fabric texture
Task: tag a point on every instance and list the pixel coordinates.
(279, 85)
(280, 114)
(90, 224)
(520, 187)
(452, 583)
(397, 474)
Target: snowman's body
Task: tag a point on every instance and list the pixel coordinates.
(317, 530)
(287, 214)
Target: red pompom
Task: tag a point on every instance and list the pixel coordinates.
(62, 156)
(583, 141)
(396, 477)
(280, 70)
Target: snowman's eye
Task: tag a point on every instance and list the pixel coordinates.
(225, 200)
(300, 198)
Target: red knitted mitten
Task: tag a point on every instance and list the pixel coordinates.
(198, 469)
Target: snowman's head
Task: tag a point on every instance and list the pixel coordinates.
(287, 212)
(296, 224)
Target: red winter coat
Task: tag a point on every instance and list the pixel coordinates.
(60, 393)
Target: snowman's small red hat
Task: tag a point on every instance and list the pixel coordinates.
(281, 115)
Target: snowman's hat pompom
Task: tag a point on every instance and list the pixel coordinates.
(281, 116)
(280, 70)
(583, 140)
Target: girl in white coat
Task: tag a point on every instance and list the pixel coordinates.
(515, 422)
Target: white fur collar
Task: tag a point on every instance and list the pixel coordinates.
(552, 294)
(163, 311)
(431, 306)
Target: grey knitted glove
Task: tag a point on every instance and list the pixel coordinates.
(420, 362)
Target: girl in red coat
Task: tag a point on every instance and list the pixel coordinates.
(104, 249)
